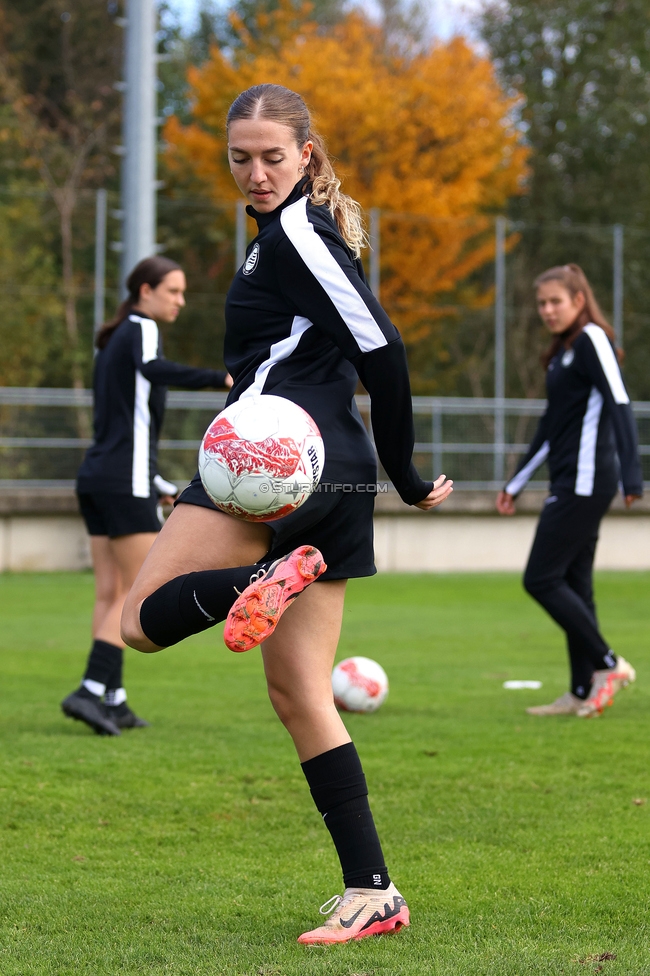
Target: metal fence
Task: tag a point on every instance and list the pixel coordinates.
(475, 441)
(471, 328)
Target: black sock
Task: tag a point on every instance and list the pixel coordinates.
(582, 670)
(103, 661)
(192, 603)
(115, 680)
(339, 789)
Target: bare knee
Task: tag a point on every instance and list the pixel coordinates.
(294, 709)
(107, 593)
(283, 704)
(131, 631)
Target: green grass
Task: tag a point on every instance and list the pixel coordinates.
(193, 847)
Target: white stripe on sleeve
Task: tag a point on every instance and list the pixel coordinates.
(521, 479)
(607, 358)
(140, 483)
(586, 470)
(325, 268)
(278, 351)
(149, 337)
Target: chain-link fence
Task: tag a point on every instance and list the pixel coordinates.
(459, 290)
(40, 442)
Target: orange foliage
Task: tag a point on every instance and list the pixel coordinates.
(426, 138)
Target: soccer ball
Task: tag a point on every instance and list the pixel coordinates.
(261, 458)
(359, 685)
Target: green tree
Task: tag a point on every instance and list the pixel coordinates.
(31, 311)
(582, 69)
(58, 65)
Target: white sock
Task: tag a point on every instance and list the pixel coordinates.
(94, 687)
(115, 696)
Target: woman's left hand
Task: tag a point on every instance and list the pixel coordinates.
(442, 489)
(630, 499)
(167, 499)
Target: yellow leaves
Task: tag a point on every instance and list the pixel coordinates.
(427, 139)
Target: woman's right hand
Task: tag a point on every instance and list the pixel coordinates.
(505, 504)
(442, 489)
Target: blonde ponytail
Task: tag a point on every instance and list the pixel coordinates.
(325, 190)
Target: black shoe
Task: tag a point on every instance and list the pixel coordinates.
(86, 707)
(124, 718)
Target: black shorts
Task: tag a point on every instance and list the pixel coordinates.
(106, 513)
(337, 522)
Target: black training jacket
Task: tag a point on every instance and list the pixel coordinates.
(588, 433)
(301, 323)
(130, 384)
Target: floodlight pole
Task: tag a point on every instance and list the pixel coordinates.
(499, 349)
(375, 251)
(139, 135)
(618, 284)
(100, 259)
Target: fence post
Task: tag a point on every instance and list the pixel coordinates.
(436, 438)
(240, 235)
(618, 283)
(499, 349)
(100, 259)
(375, 250)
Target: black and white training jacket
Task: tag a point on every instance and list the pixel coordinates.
(301, 323)
(588, 433)
(130, 384)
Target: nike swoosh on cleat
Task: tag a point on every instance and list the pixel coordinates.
(349, 922)
(398, 902)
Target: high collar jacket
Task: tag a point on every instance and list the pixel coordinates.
(588, 433)
(301, 323)
(130, 385)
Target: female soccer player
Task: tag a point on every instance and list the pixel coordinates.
(118, 486)
(302, 324)
(588, 422)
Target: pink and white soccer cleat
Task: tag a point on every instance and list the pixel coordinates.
(605, 685)
(255, 614)
(360, 912)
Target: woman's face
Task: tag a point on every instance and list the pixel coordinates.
(265, 161)
(164, 302)
(557, 307)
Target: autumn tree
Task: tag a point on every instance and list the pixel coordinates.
(424, 135)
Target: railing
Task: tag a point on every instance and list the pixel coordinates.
(475, 441)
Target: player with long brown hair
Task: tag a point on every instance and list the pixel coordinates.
(588, 438)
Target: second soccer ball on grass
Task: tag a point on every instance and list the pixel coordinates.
(359, 685)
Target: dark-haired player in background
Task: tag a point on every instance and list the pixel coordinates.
(118, 486)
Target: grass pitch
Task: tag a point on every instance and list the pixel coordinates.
(192, 848)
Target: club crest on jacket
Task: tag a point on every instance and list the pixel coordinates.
(251, 261)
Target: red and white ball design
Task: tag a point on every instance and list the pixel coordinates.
(359, 685)
(261, 458)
